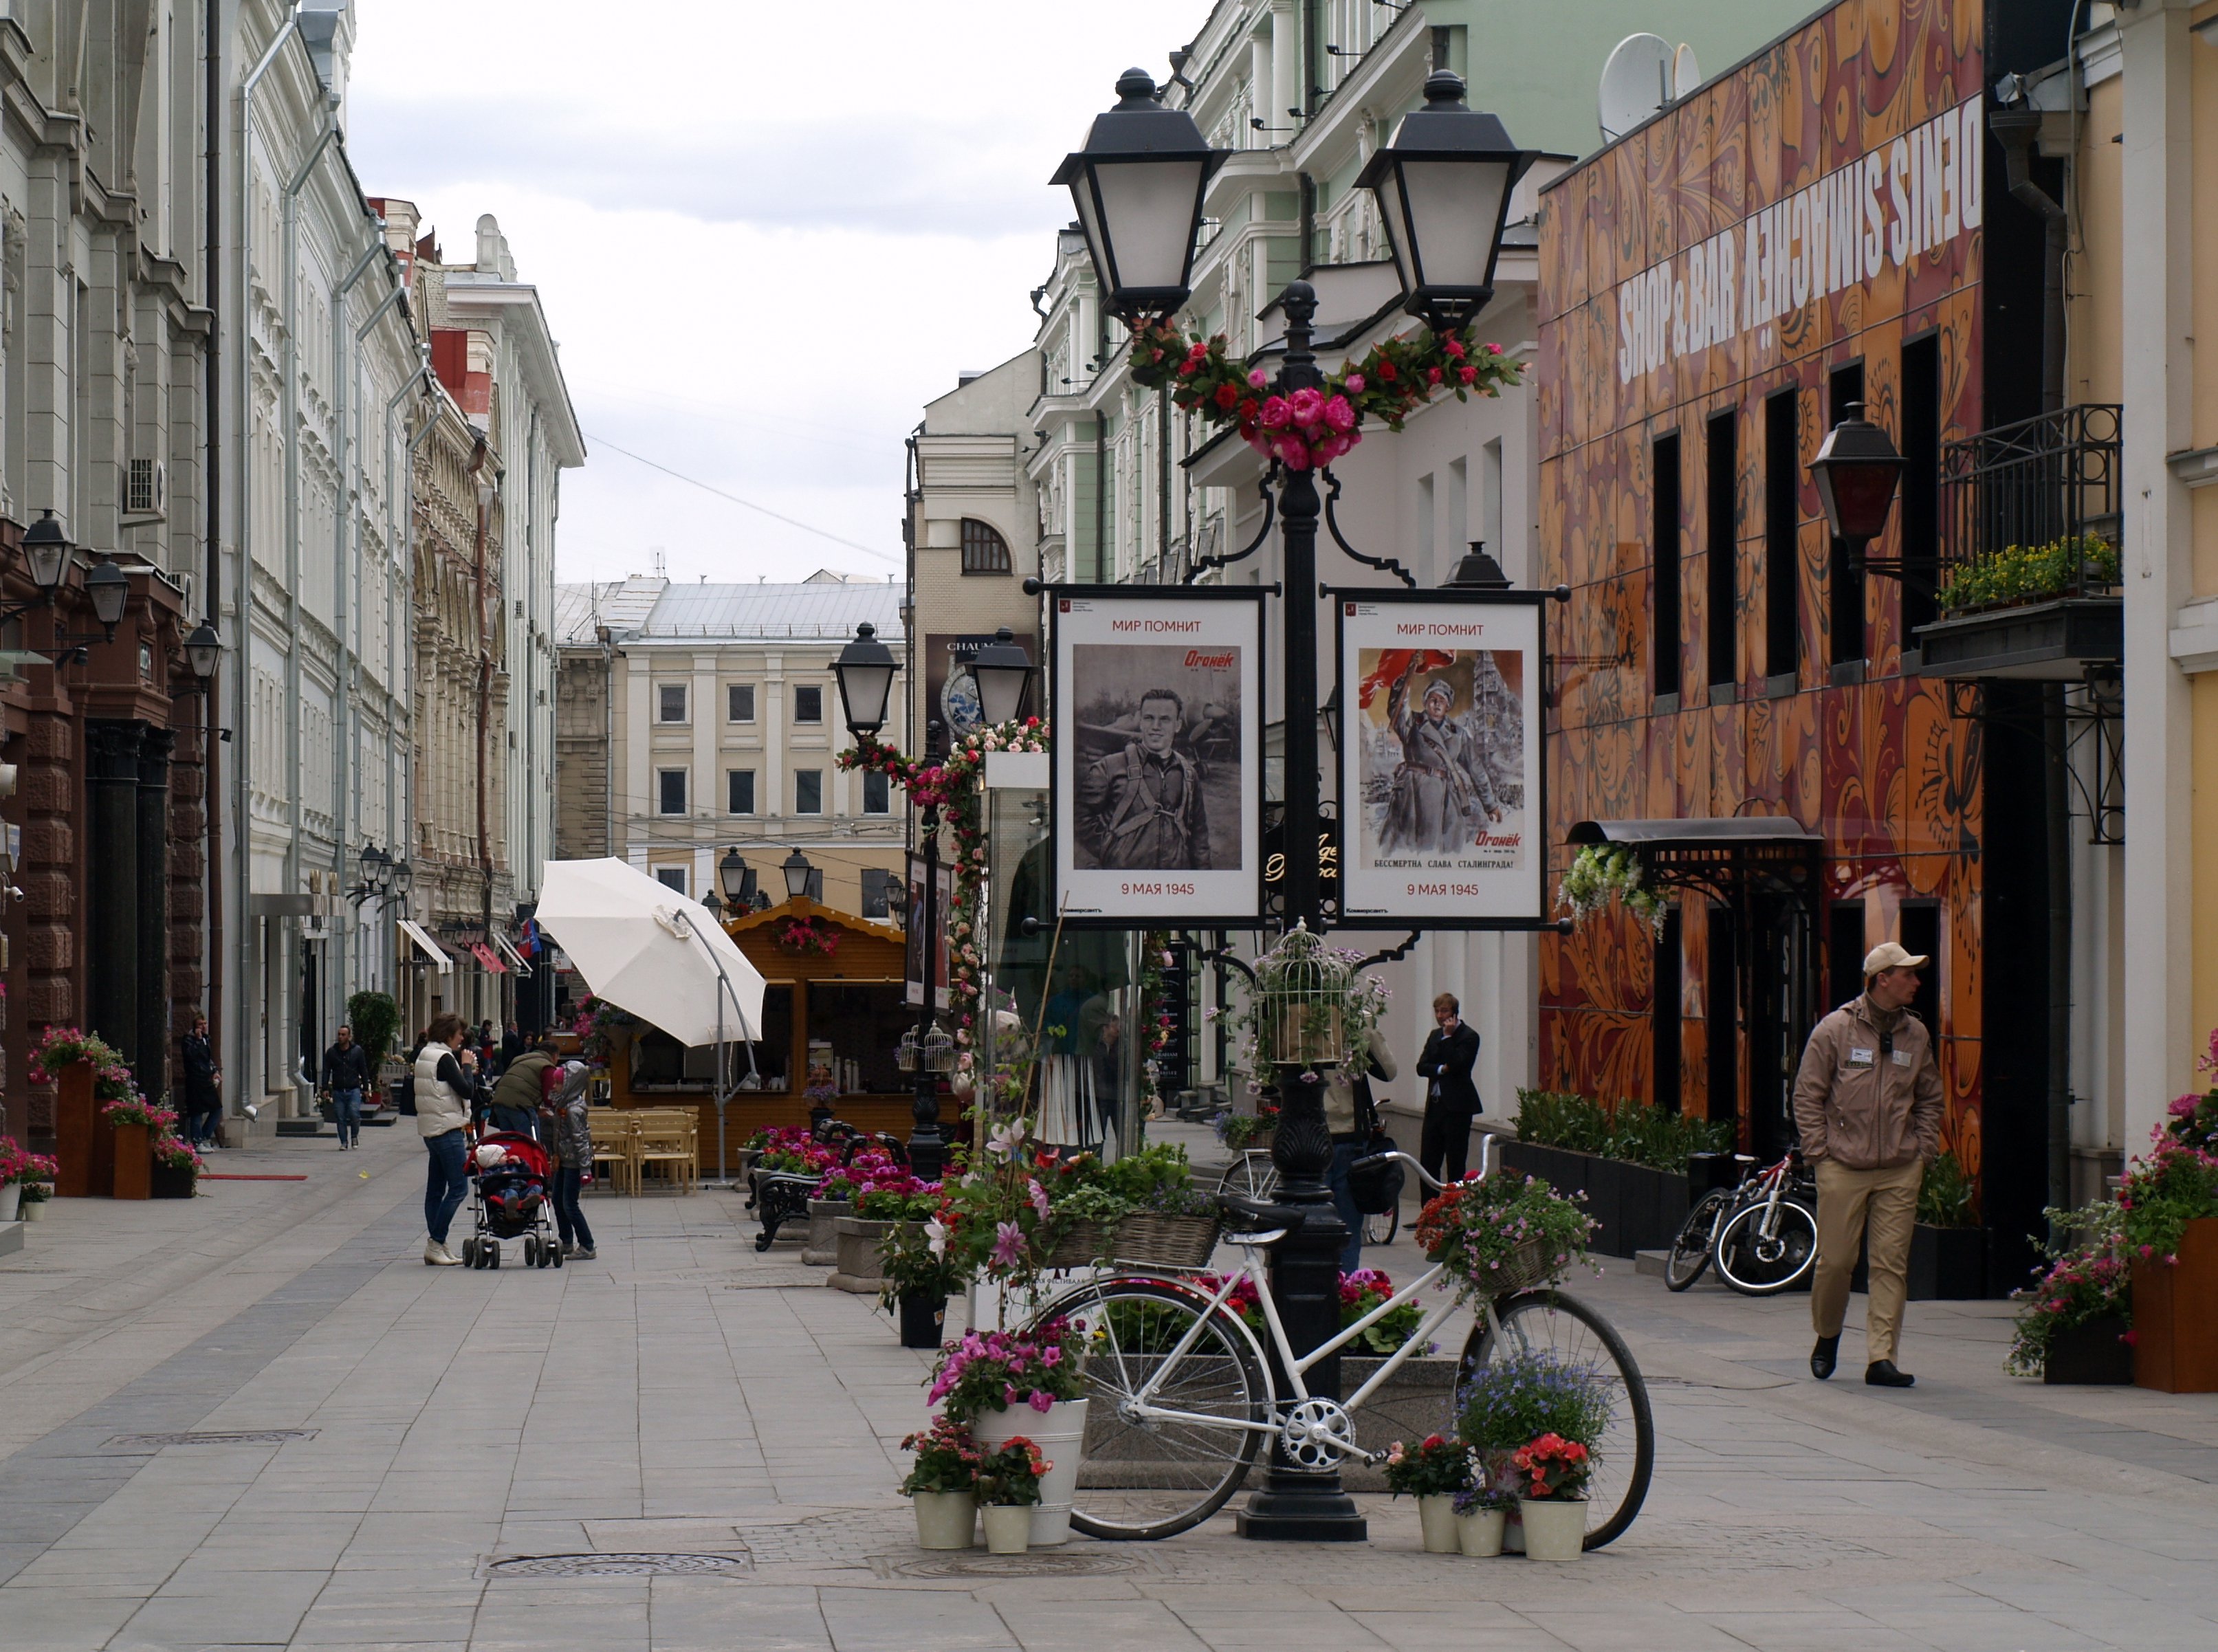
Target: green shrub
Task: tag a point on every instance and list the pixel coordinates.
(2022, 573)
(1948, 1197)
(374, 1018)
(1637, 1134)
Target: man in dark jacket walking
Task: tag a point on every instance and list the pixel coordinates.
(1450, 1098)
(203, 1085)
(346, 1074)
(1868, 1104)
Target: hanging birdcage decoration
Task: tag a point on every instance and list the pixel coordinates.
(937, 1050)
(1302, 990)
(905, 1051)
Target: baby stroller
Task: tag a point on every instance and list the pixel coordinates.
(509, 1174)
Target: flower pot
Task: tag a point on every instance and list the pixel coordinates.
(1436, 1520)
(946, 1519)
(2094, 1352)
(33, 1210)
(1479, 1534)
(11, 1196)
(135, 1161)
(821, 1248)
(2176, 1315)
(171, 1181)
(855, 1241)
(1008, 1527)
(922, 1321)
(1555, 1527)
(81, 1144)
(1060, 1433)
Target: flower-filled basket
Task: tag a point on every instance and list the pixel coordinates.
(1502, 1234)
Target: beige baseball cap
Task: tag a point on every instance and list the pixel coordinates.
(1888, 955)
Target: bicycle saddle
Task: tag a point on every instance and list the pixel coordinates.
(1261, 1213)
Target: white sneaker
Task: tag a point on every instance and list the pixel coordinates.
(436, 1255)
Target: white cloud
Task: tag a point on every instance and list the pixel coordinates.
(765, 234)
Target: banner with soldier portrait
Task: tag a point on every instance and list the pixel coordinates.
(1441, 762)
(1158, 700)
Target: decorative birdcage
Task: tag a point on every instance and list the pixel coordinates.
(905, 1051)
(1302, 989)
(934, 1053)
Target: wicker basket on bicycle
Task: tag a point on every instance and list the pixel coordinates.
(1531, 1264)
(1149, 1237)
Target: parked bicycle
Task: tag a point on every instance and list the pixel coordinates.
(1762, 1235)
(1184, 1399)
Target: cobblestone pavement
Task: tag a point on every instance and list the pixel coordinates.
(393, 1456)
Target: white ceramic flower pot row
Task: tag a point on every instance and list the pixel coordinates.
(949, 1519)
(944, 1519)
(1553, 1528)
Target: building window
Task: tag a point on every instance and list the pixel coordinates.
(739, 702)
(671, 793)
(807, 702)
(1845, 588)
(1663, 564)
(739, 791)
(876, 891)
(984, 550)
(1722, 507)
(671, 703)
(877, 793)
(671, 877)
(1782, 492)
(1921, 480)
(809, 791)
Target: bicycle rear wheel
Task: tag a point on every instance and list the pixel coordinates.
(1757, 1263)
(1566, 1330)
(1143, 1478)
(1381, 1229)
(1251, 1176)
(1690, 1251)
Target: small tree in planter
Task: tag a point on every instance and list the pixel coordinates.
(374, 1018)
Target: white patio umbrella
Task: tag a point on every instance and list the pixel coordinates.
(646, 949)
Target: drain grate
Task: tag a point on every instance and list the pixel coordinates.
(1038, 1564)
(623, 1565)
(215, 1437)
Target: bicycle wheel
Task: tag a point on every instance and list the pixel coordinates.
(1568, 1331)
(1761, 1259)
(1251, 1176)
(1381, 1229)
(1147, 1478)
(1690, 1251)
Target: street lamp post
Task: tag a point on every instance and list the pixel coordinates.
(1443, 185)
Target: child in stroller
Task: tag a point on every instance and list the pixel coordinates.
(510, 1175)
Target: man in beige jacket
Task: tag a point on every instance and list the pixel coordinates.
(1868, 1103)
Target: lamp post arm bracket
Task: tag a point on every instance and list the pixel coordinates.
(1270, 518)
(1385, 564)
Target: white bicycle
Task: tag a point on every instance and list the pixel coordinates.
(1183, 1398)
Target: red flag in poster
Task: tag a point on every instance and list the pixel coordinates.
(1392, 663)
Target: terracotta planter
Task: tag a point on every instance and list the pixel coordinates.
(81, 1142)
(2176, 1317)
(135, 1161)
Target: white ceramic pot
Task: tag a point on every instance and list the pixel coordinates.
(33, 1210)
(946, 1519)
(1008, 1527)
(10, 1196)
(1436, 1516)
(1060, 1433)
(1555, 1527)
(1479, 1534)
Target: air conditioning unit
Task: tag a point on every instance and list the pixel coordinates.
(147, 489)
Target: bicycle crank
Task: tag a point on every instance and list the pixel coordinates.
(1318, 1433)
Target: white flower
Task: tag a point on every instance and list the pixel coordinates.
(935, 1234)
(1005, 1138)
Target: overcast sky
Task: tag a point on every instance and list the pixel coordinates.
(765, 234)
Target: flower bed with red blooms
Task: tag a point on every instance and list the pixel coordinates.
(1312, 428)
(996, 1370)
(1553, 1467)
(793, 1150)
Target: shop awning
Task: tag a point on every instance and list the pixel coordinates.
(486, 955)
(516, 959)
(1735, 829)
(425, 944)
(1724, 859)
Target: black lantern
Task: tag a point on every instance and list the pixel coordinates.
(1330, 712)
(1004, 676)
(1476, 571)
(797, 872)
(732, 874)
(403, 877)
(46, 549)
(1138, 186)
(109, 587)
(716, 906)
(1443, 185)
(203, 648)
(865, 671)
(1856, 471)
(376, 869)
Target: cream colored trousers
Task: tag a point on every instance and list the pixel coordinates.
(1858, 1208)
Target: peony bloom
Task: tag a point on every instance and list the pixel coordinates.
(1340, 413)
(1227, 396)
(1273, 414)
(1259, 379)
(1355, 383)
(1292, 452)
(1306, 406)
(1467, 374)
(1432, 375)
(1386, 373)
(1453, 346)
(1493, 349)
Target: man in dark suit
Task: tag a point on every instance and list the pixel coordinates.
(1450, 1098)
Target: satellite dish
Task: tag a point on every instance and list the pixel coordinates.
(1686, 73)
(1636, 83)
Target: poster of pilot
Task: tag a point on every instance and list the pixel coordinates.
(1158, 773)
(1442, 762)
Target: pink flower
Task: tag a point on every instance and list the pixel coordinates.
(1274, 414)
(1453, 346)
(1292, 452)
(1039, 1401)
(2185, 1106)
(1340, 413)
(1008, 1245)
(1307, 407)
(1467, 374)
(1038, 1196)
(1355, 383)
(1493, 349)
(1258, 379)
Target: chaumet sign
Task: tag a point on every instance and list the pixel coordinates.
(1883, 208)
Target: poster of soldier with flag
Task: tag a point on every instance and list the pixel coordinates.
(1440, 764)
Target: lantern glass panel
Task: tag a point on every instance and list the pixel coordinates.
(1453, 209)
(1141, 213)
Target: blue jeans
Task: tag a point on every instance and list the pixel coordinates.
(446, 1182)
(569, 1215)
(1344, 1154)
(347, 1104)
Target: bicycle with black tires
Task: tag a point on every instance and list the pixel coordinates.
(1761, 1236)
(1184, 1399)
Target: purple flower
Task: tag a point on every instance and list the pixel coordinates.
(1040, 1400)
(1008, 1245)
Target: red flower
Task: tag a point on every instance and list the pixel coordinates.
(1468, 374)
(1186, 367)
(1432, 375)
(1228, 396)
(1453, 346)
(1386, 370)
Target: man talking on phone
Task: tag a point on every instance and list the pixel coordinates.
(1450, 1098)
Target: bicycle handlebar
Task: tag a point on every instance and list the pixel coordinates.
(1485, 1163)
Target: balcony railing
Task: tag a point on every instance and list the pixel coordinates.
(2048, 481)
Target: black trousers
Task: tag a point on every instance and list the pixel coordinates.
(1447, 1141)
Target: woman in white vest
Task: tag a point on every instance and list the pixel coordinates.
(446, 1082)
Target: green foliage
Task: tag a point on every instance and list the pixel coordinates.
(1948, 1197)
(2173, 1186)
(2023, 573)
(2087, 1280)
(1436, 1466)
(1515, 1399)
(1601, 871)
(375, 1019)
(1629, 1131)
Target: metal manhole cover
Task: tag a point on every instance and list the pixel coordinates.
(215, 1437)
(978, 1563)
(623, 1565)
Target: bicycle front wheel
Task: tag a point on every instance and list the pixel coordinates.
(1568, 1332)
(1760, 1258)
(1690, 1251)
(1144, 1477)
